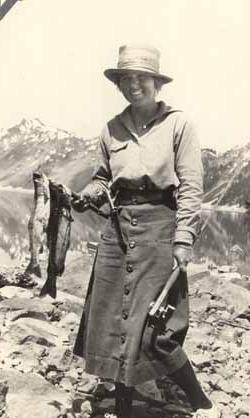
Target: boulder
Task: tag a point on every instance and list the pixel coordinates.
(14, 291)
(30, 395)
(236, 298)
(29, 329)
(18, 307)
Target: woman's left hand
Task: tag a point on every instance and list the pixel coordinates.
(183, 255)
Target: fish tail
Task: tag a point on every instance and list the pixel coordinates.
(34, 268)
(49, 287)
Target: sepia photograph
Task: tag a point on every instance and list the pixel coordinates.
(124, 209)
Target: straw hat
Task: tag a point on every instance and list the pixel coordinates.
(142, 59)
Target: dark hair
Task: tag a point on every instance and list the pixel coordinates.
(158, 83)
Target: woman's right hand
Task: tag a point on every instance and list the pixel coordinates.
(80, 202)
(183, 255)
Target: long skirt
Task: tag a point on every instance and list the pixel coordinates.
(114, 336)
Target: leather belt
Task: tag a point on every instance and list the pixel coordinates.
(137, 197)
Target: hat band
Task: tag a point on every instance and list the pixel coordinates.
(140, 65)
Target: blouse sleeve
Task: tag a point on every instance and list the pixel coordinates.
(189, 170)
(101, 177)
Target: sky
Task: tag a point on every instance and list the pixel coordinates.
(53, 54)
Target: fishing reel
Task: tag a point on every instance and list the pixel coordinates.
(160, 310)
(158, 319)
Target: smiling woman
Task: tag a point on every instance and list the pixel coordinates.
(149, 157)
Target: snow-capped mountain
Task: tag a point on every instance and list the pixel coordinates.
(227, 176)
(70, 160)
(32, 144)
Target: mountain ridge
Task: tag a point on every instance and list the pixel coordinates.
(70, 159)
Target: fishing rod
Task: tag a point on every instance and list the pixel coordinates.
(6, 7)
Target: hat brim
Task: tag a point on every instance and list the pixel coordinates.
(114, 74)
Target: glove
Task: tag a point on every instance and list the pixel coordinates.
(80, 202)
(183, 255)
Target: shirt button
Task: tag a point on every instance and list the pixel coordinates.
(134, 221)
(124, 315)
(132, 244)
(129, 268)
(123, 339)
(126, 291)
(142, 187)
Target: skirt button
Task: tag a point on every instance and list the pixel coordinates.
(134, 221)
(126, 290)
(124, 315)
(129, 268)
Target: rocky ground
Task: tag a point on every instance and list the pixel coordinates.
(40, 378)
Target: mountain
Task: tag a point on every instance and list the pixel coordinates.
(227, 175)
(60, 154)
(70, 160)
(64, 157)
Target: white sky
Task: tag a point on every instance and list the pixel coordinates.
(53, 53)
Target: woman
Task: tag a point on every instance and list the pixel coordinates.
(150, 159)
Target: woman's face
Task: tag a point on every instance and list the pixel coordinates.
(138, 89)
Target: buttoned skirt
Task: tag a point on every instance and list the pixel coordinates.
(114, 336)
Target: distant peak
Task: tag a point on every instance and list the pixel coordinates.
(28, 123)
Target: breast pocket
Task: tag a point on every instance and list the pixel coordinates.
(118, 156)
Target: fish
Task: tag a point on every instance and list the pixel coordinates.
(38, 221)
(58, 235)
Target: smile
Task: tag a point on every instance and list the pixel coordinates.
(136, 93)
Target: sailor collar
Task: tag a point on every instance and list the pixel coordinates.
(126, 118)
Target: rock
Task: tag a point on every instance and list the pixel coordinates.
(224, 269)
(25, 358)
(72, 375)
(88, 384)
(217, 305)
(237, 388)
(29, 395)
(70, 321)
(86, 409)
(220, 397)
(3, 393)
(198, 338)
(245, 340)
(29, 329)
(7, 347)
(228, 412)
(228, 334)
(14, 291)
(66, 384)
(149, 390)
(233, 295)
(58, 358)
(62, 296)
(201, 360)
(18, 307)
(230, 276)
(54, 377)
(224, 385)
(200, 304)
(242, 406)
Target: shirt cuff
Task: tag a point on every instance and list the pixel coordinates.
(184, 236)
